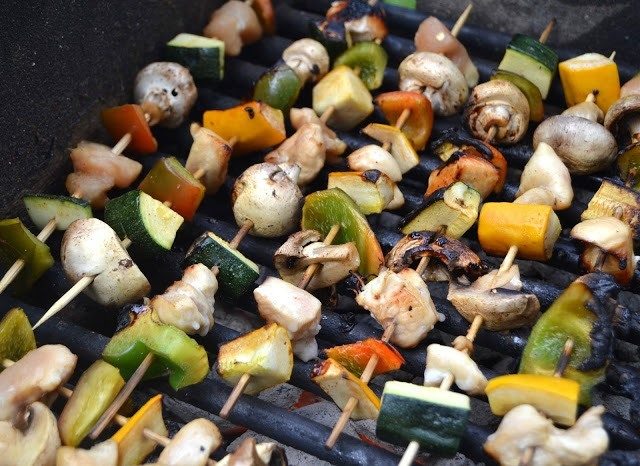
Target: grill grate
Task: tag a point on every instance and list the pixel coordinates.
(85, 325)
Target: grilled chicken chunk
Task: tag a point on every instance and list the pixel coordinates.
(444, 360)
(334, 146)
(236, 24)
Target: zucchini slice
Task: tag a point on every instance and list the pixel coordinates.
(530, 90)
(149, 224)
(236, 273)
(434, 418)
(203, 56)
(66, 210)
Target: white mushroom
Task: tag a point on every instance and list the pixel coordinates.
(188, 303)
(269, 197)
(102, 454)
(545, 180)
(192, 445)
(35, 444)
(39, 372)
(334, 146)
(236, 24)
(294, 309)
(438, 78)
(308, 58)
(444, 360)
(587, 109)
(209, 153)
(166, 91)
(305, 248)
(91, 248)
(403, 299)
(374, 157)
(304, 148)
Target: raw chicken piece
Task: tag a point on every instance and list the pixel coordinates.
(236, 24)
(401, 298)
(39, 372)
(92, 188)
(305, 148)
(443, 360)
(334, 146)
(102, 454)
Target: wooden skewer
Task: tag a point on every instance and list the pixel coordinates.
(304, 282)
(462, 19)
(547, 31)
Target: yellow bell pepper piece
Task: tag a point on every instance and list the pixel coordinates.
(253, 126)
(533, 228)
(133, 446)
(343, 90)
(557, 397)
(589, 73)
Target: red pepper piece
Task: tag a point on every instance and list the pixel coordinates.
(130, 118)
(355, 356)
(420, 122)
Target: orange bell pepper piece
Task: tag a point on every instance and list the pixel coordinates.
(130, 118)
(253, 126)
(420, 122)
(355, 356)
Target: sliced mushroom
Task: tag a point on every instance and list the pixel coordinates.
(374, 157)
(545, 180)
(624, 115)
(166, 91)
(305, 248)
(101, 454)
(438, 78)
(458, 258)
(402, 299)
(192, 445)
(209, 153)
(304, 148)
(608, 247)
(497, 104)
(268, 195)
(583, 145)
(236, 24)
(39, 372)
(334, 146)
(308, 59)
(91, 248)
(444, 360)
(35, 444)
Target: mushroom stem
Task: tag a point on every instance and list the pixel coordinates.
(152, 113)
(547, 31)
(491, 134)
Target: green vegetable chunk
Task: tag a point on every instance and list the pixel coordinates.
(16, 336)
(65, 210)
(370, 58)
(202, 55)
(278, 87)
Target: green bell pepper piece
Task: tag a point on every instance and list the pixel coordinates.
(16, 335)
(175, 352)
(279, 88)
(409, 4)
(576, 313)
(17, 242)
(370, 58)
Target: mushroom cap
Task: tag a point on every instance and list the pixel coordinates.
(438, 78)
(623, 109)
(168, 86)
(266, 195)
(501, 104)
(583, 145)
(631, 87)
(307, 58)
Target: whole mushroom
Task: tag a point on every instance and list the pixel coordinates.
(308, 59)
(624, 115)
(501, 105)
(166, 91)
(268, 195)
(587, 109)
(438, 78)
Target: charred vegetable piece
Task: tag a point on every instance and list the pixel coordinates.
(149, 224)
(17, 242)
(612, 197)
(97, 388)
(175, 352)
(16, 335)
(130, 118)
(340, 385)
(434, 418)
(583, 314)
(236, 273)
(420, 122)
(629, 165)
(278, 87)
(533, 228)
(355, 356)
(323, 209)
(530, 91)
(453, 210)
(401, 148)
(169, 181)
(42, 208)
(590, 73)
(253, 126)
(556, 397)
(203, 56)
(370, 58)
(531, 59)
(133, 446)
(264, 353)
(343, 90)
(371, 190)
(331, 36)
